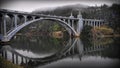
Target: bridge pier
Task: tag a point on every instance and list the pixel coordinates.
(15, 19)
(93, 24)
(5, 39)
(79, 25)
(69, 23)
(25, 18)
(4, 22)
(73, 24)
(33, 17)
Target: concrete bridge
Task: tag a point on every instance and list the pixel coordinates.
(13, 21)
(73, 47)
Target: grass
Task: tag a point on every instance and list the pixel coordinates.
(104, 30)
(7, 64)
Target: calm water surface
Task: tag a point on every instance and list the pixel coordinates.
(49, 52)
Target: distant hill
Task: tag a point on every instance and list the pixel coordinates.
(63, 10)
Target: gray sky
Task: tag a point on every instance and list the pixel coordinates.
(31, 5)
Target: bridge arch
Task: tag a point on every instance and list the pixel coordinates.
(63, 23)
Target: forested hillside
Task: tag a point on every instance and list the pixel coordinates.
(111, 14)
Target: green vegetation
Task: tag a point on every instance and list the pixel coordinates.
(110, 14)
(86, 32)
(42, 27)
(7, 64)
(55, 27)
(90, 36)
(86, 35)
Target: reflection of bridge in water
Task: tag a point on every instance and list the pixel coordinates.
(73, 47)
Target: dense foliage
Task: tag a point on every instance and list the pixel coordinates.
(110, 14)
(86, 35)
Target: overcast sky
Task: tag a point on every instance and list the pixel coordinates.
(31, 5)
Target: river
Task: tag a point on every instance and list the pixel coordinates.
(50, 52)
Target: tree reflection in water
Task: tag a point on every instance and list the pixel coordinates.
(58, 50)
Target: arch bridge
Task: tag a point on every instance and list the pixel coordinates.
(13, 21)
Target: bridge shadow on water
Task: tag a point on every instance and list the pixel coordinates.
(74, 47)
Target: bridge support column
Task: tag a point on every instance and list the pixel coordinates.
(25, 18)
(79, 27)
(4, 22)
(79, 48)
(91, 23)
(33, 17)
(69, 22)
(94, 24)
(15, 19)
(70, 33)
(86, 22)
(5, 39)
(73, 50)
(102, 23)
(73, 24)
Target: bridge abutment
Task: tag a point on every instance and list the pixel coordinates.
(5, 39)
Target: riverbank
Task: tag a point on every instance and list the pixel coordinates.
(7, 64)
(115, 35)
(104, 32)
(98, 32)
